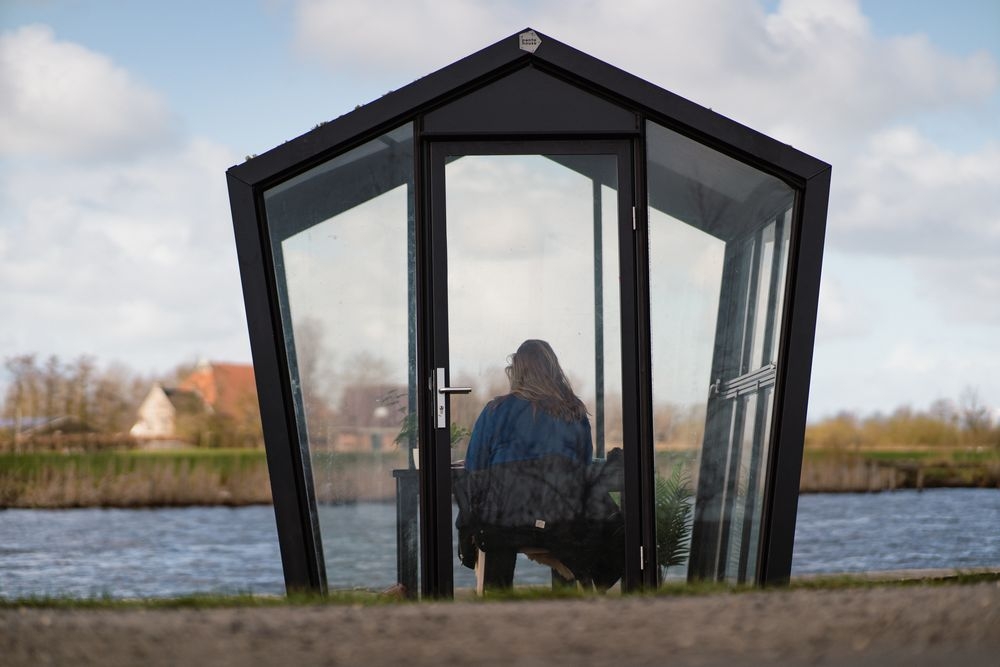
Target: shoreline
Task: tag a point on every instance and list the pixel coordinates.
(239, 478)
(387, 501)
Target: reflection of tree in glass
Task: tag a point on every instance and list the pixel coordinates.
(678, 425)
(315, 378)
(337, 402)
(365, 368)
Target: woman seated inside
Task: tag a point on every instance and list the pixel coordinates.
(530, 483)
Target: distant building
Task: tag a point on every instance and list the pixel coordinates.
(370, 417)
(223, 391)
(159, 412)
(228, 390)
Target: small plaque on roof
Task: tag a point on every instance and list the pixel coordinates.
(529, 41)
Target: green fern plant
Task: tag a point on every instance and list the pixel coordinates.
(673, 518)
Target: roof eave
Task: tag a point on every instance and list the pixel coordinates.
(401, 105)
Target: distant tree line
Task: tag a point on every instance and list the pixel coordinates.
(83, 402)
(945, 423)
(89, 398)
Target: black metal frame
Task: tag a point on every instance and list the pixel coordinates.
(446, 93)
(438, 579)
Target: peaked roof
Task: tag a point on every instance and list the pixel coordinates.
(184, 400)
(501, 59)
(227, 388)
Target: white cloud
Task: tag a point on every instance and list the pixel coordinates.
(966, 289)
(905, 199)
(842, 312)
(131, 260)
(812, 73)
(906, 357)
(63, 100)
(908, 197)
(399, 36)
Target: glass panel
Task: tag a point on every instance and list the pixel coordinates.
(755, 495)
(739, 483)
(684, 277)
(781, 264)
(715, 283)
(743, 286)
(533, 254)
(342, 236)
(759, 355)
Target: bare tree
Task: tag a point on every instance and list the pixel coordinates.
(53, 388)
(24, 391)
(944, 410)
(95, 400)
(315, 376)
(974, 416)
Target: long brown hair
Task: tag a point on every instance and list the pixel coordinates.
(535, 376)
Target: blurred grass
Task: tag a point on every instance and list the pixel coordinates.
(360, 598)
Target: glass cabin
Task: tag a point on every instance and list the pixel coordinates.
(394, 258)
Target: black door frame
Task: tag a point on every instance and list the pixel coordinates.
(435, 475)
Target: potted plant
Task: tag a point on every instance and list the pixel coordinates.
(673, 519)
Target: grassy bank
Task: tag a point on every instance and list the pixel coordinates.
(859, 470)
(135, 478)
(837, 470)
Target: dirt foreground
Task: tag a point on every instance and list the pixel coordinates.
(909, 625)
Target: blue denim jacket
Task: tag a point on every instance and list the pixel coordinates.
(510, 429)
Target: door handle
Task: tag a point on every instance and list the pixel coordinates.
(442, 394)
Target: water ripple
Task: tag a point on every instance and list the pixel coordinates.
(170, 552)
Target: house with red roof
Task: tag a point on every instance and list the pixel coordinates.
(215, 405)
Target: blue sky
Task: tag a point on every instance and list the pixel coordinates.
(119, 119)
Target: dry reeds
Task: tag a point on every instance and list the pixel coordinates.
(127, 480)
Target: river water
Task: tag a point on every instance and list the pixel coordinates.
(171, 552)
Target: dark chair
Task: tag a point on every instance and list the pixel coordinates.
(557, 513)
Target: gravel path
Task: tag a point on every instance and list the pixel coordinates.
(914, 625)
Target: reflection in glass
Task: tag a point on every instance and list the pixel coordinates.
(718, 250)
(684, 276)
(533, 254)
(342, 236)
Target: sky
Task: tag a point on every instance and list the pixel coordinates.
(118, 121)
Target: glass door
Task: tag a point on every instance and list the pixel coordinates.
(718, 247)
(529, 245)
(740, 404)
